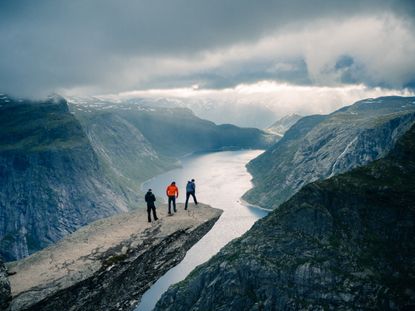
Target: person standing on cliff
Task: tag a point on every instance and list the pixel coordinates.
(150, 198)
(172, 193)
(190, 191)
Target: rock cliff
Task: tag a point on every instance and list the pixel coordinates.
(345, 243)
(5, 295)
(52, 182)
(318, 147)
(108, 264)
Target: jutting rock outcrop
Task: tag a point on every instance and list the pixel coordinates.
(108, 264)
(345, 243)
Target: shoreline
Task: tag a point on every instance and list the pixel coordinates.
(247, 204)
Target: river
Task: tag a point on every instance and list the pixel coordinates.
(221, 180)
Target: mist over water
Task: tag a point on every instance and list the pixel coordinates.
(221, 179)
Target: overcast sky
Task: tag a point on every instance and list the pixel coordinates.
(101, 46)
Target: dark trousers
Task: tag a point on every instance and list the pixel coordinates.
(172, 199)
(188, 194)
(149, 209)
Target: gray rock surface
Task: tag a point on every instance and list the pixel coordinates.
(345, 243)
(108, 264)
(318, 147)
(5, 294)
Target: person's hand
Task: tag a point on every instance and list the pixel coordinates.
(177, 196)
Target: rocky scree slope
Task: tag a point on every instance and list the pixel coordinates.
(345, 243)
(321, 146)
(109, 264)
(51, 179)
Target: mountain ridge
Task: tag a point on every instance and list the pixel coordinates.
(320, 146)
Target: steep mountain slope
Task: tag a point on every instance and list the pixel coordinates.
(123, 148)
(345, 243)
(318, 147)
(174, 132)
(51, 180)
(282, 125)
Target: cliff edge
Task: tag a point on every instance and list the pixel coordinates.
(108, 264)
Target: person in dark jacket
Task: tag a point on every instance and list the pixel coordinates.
(190, 191)
(150, 199)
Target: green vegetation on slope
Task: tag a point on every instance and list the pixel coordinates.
(38, 126)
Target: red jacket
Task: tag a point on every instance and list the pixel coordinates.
(172, 191)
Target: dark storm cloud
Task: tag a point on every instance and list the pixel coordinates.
(115, 45)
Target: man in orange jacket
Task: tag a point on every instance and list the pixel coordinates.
(172, 193)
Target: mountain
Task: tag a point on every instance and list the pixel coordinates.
(123, 148)
(175, 132)
(345, 243)
(243, 112)
(51, 179)
(282, 125)
(321, 146)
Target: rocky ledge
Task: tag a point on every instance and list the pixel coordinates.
(108, 264)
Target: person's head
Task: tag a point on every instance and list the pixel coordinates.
(193, 180)
(173, 183)
(149, 190)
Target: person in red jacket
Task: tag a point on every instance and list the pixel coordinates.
(172, 193)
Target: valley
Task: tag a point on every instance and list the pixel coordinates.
(345, 243)
(67, 165)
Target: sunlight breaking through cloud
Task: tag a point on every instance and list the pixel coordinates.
(270, 100)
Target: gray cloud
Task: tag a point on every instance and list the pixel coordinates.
(106, 46)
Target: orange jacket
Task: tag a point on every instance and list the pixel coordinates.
(172, 191)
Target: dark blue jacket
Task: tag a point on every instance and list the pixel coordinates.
(190, 187)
